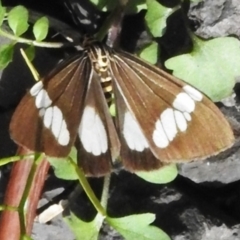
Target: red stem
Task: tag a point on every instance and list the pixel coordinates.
(9, 221)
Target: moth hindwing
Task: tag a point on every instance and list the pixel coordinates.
(159, 118)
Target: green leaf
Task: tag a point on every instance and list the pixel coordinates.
(25, 237)
(156, 17)
(211, 67)
(163, 175)
(18, 20)
(150, 53)
(6, 55)
(137, 227)
(40, 28)
(103, 5)
(30, 52)
(2, 13)
(133, 6)
(62, 166)
(85, 230)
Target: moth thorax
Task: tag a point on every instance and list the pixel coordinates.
(101, 65)
(106, 83)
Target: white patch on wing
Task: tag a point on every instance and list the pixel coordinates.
(193, 93)
(52, 116)
(57, 119)
(133, 133)
(64, 136)
(180, 120)
(184, 103)
(159, 135)
(169, 123)
(47, 117)
(53, 120)
(187, 116)
(42, 112)
(42, 99)
(36, 88)
(92, 132)
(173, 120)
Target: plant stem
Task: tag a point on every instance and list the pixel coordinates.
(106, 185)
(30, 42)
(24, 199)
(10, 220)
(88, 190)
(7, 160)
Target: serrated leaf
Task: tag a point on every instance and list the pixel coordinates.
(18, 20)
(150, 53)
(6, 55)
(156, 17)
(163, 175)
(133, 6)
(137, 227)
(85, 230)
(40, 28)
(2, 13)
(63, 168)
(211, 67)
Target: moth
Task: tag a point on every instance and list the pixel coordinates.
(159, 118)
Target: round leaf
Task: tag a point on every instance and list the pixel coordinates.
(63, 168)
(150, 53)
(30, 52)
(137, 227)
(163, 175)
(6, 54)
(211, 67)
(156, 17)
(18, 20)
(84, 230)
(40, 28)
(133, 6)
(2, 13)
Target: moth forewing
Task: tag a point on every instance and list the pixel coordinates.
(178, 122)
(135, 152)
(98, 143)
(51, 110)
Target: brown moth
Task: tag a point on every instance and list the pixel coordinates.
(159, 118)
